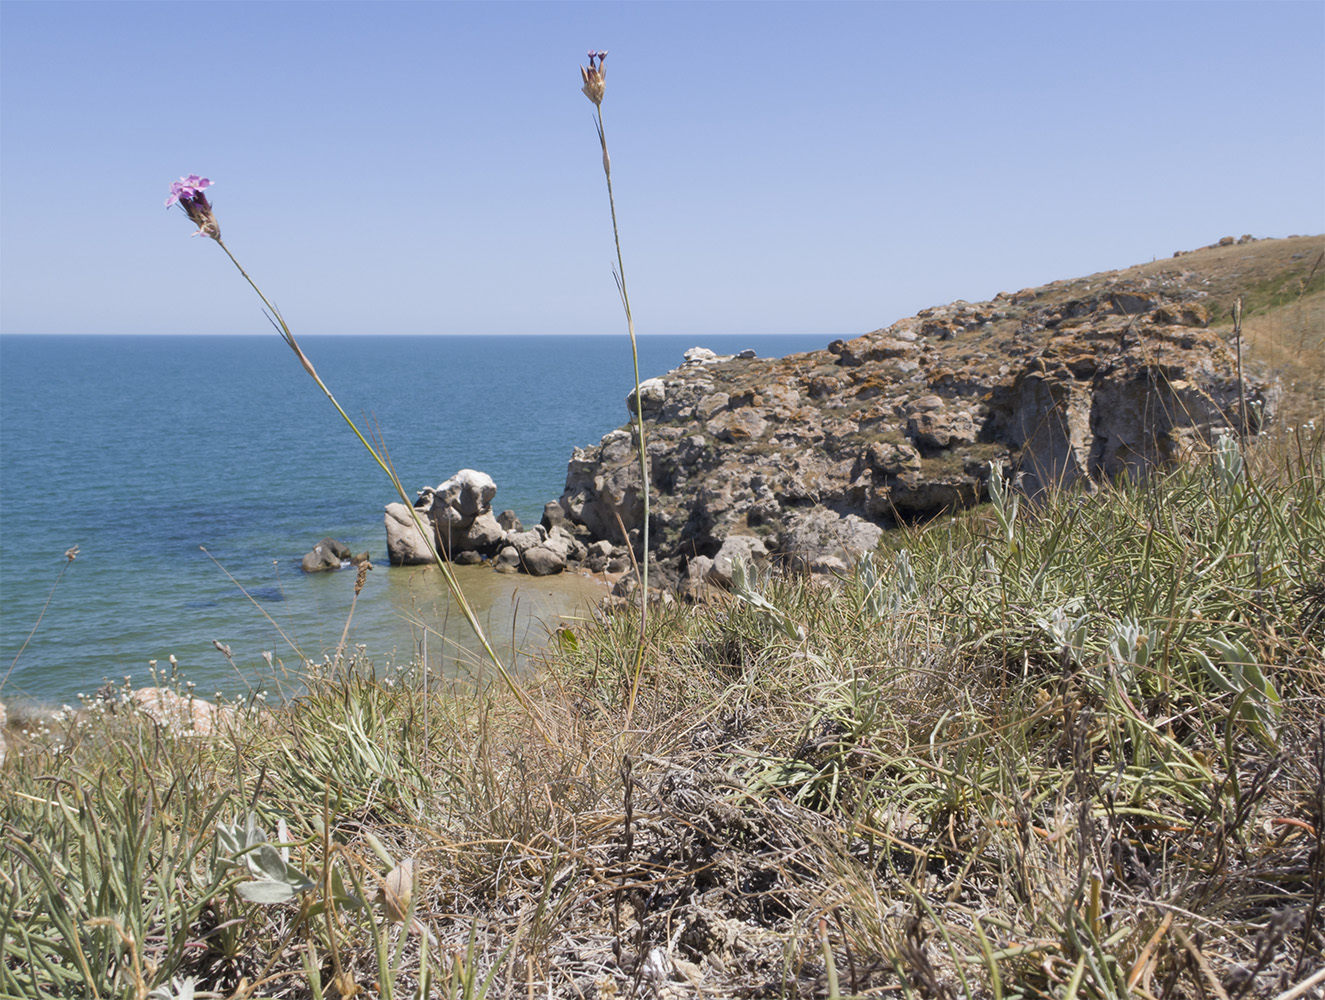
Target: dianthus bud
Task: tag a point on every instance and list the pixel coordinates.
(187, 191)
(595, 77)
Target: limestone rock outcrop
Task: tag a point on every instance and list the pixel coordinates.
(455, 516)
(805, 460)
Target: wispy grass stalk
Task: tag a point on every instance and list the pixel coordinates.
(289, 640)
(69, 556)
(189, 193)
(360, 578)
(594, 86)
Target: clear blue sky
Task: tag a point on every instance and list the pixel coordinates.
(780, 167)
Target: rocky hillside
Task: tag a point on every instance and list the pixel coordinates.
(806, 459)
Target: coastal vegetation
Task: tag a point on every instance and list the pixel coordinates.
(1071, 748)
(1065, 748)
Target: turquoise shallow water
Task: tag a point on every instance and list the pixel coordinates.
(143, 451)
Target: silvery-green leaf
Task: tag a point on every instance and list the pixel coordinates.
(266, 862)
(872, 584)
(1228, 462)
(906, 577)
(1247, 673)
(1262, 684)
(253, 833)
(1213, 673)
(265, 891)
(179, 989)
(228, 839)
(283, 836)
(342, 895)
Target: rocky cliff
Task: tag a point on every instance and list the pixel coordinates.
(806, 459)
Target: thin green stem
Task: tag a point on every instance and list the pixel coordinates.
(452, 584)
(288, 641)
(639, 426)
(284, 330)
(37, 623)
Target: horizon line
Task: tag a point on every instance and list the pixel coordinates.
(303, 335)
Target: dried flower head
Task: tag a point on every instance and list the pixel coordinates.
(187, 191)
(396, 890)
(361, 577)
(595, 77)
(71, 554)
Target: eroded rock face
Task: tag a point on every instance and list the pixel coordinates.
(469, 492)
(746, 549)
(822, 541)
(806, 459)
(603, 491)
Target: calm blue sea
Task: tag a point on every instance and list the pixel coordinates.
(144, 451)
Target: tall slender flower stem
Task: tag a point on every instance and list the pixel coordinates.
(470, 617)
(634, 351)
(620, 276)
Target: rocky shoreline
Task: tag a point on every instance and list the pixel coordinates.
(805, 461)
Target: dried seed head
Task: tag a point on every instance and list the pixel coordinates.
(396, 889)
(71, 554)
(595, 77)
(362, 576)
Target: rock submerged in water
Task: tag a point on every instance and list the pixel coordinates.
(330, 554)
(406, 545)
